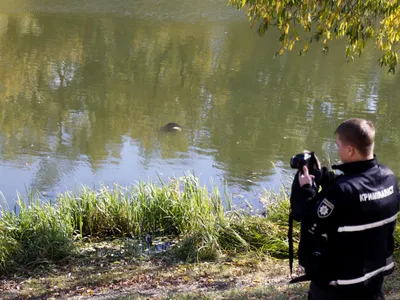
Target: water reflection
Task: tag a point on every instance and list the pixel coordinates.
(82, 97)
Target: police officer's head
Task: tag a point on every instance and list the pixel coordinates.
(355, 140)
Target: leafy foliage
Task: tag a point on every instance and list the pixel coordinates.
(355, 21)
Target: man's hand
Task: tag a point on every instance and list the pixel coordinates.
(305, 178)
(318, 164)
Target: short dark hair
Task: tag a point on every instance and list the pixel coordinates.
(359, 133)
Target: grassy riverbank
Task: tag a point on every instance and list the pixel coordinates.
(112, 269)
(206, 226)
(93, 243)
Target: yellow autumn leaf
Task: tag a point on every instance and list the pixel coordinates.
(286, 29)
(305, 48)
(328, 35)
(337, 19)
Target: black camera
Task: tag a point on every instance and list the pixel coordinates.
(303, 159)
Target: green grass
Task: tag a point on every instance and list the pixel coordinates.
(110, 268)
(89, 242)
(114, 269)
(206, 227)
(39, 234)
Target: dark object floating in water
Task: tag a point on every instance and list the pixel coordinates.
(171, 127)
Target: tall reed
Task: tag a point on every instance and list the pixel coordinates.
(180, 206)
(38, 234)
(41, 232)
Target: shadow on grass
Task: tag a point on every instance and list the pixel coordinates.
(110, 269)
(117, 270)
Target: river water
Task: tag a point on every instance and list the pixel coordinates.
(85, 86)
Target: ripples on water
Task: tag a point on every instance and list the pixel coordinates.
(85, 85)
(187, 11)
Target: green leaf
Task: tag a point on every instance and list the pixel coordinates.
(354, 20)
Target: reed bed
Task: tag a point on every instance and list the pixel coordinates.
(38, 232)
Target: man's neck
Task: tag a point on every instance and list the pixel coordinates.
(359, 157)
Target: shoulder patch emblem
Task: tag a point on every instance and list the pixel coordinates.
(325, 208)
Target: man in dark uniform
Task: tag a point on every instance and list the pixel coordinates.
(347, 221)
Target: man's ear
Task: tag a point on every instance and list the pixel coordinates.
(351, 150)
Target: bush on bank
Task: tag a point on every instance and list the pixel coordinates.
(41, 233)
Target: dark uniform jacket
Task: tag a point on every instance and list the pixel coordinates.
(347, 227)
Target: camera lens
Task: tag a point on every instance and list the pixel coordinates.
(293, 162)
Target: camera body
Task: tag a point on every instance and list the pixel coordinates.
(303, 159)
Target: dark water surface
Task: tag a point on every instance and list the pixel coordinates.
(85, 85)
